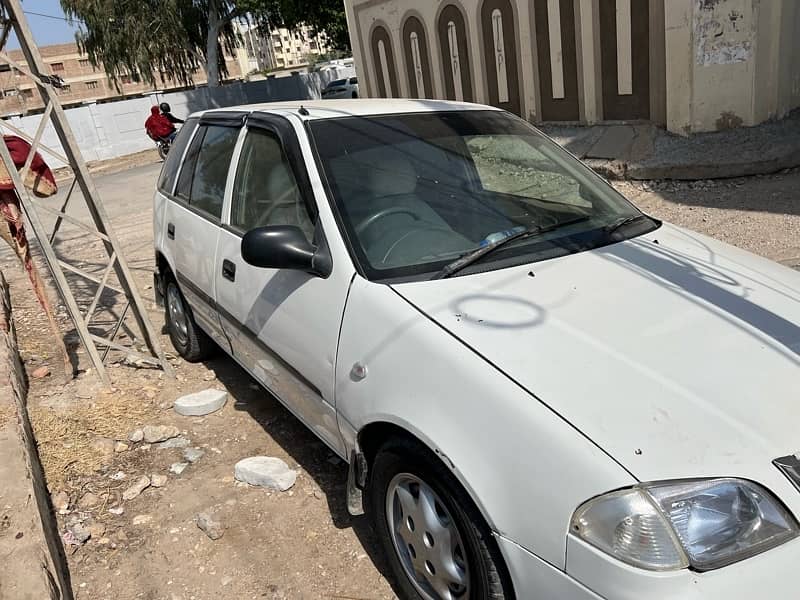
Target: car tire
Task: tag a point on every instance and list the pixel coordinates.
(355, 94)
(191, 342)
(400, 467)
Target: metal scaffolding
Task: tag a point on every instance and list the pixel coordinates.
(97, 339)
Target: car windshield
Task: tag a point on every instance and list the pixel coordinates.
(415, 192)
(337, 83)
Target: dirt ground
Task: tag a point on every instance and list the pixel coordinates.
(295, 544)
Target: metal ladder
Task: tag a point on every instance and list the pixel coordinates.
(96, 344)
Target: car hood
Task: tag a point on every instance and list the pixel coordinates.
(677, 354)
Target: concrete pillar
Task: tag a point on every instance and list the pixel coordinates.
(526, 50)
(476, 59)
(588, 49)
(679, 42)
(767, 55)
(359, 52)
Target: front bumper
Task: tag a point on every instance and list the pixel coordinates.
(592, 575)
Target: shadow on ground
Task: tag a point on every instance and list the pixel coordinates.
(310, 453)
(770, 193)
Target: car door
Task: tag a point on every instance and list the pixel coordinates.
(194, 215)
(283, 324)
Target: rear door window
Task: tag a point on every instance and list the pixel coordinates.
(211, 171)
(166, 181)
(205, 169)
(184, 188)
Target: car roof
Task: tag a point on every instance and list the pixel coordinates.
(329, 109)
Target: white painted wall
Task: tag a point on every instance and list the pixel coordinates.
(116, 129)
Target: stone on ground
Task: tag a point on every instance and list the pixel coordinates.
(157, 480)
(76, 534)
(41, 372)
(178, 467)
(120, 447)
(137, 488)
(192, 455)
(60, 501)
(200, 403)
(265, 471)
(137, 435)
(159, 433)
(103, 445)
(96, 530)
(213, 529)
(178, 442)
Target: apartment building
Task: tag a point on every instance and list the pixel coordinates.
(255, 51)
(292, 47)
(82, 81)
(282, 48)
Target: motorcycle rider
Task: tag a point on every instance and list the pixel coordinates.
(158, 126)
(165, 110)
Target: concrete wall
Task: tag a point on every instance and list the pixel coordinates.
(115, 129)
(714, 64)
(731, 63)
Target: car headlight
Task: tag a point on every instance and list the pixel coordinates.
(703, 524)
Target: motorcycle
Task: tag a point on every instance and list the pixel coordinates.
(163, 145)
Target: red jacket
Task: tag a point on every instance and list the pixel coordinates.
(157, 125)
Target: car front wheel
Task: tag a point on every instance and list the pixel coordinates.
(437, 543)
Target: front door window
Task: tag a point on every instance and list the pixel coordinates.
(266, 191)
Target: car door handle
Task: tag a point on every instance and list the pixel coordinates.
(228, 270)
(171, 231)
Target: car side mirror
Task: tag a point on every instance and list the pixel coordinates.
(284, 247)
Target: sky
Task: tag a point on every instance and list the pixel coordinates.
(46, 30)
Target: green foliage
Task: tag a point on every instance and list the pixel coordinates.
(322, 15)
(158, 40)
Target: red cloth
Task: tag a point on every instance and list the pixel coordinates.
(157, 125)
(39, 179)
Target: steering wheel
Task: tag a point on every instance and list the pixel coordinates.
(371, 220)
(406, 237)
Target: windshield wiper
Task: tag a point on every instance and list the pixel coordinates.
(615, 226)
(477, 254)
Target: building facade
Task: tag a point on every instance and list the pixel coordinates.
(689, 65)
(294, 47)
(82, 82)
(281, 49)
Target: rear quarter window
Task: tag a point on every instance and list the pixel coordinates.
(169, 172)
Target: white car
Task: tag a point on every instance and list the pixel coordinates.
(341, 88)
(541, 392)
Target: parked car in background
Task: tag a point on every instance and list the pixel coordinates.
(541, 391)
(341, 88)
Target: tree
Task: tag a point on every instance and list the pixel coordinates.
(322, 15)
(157, 40)
(160, 39)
